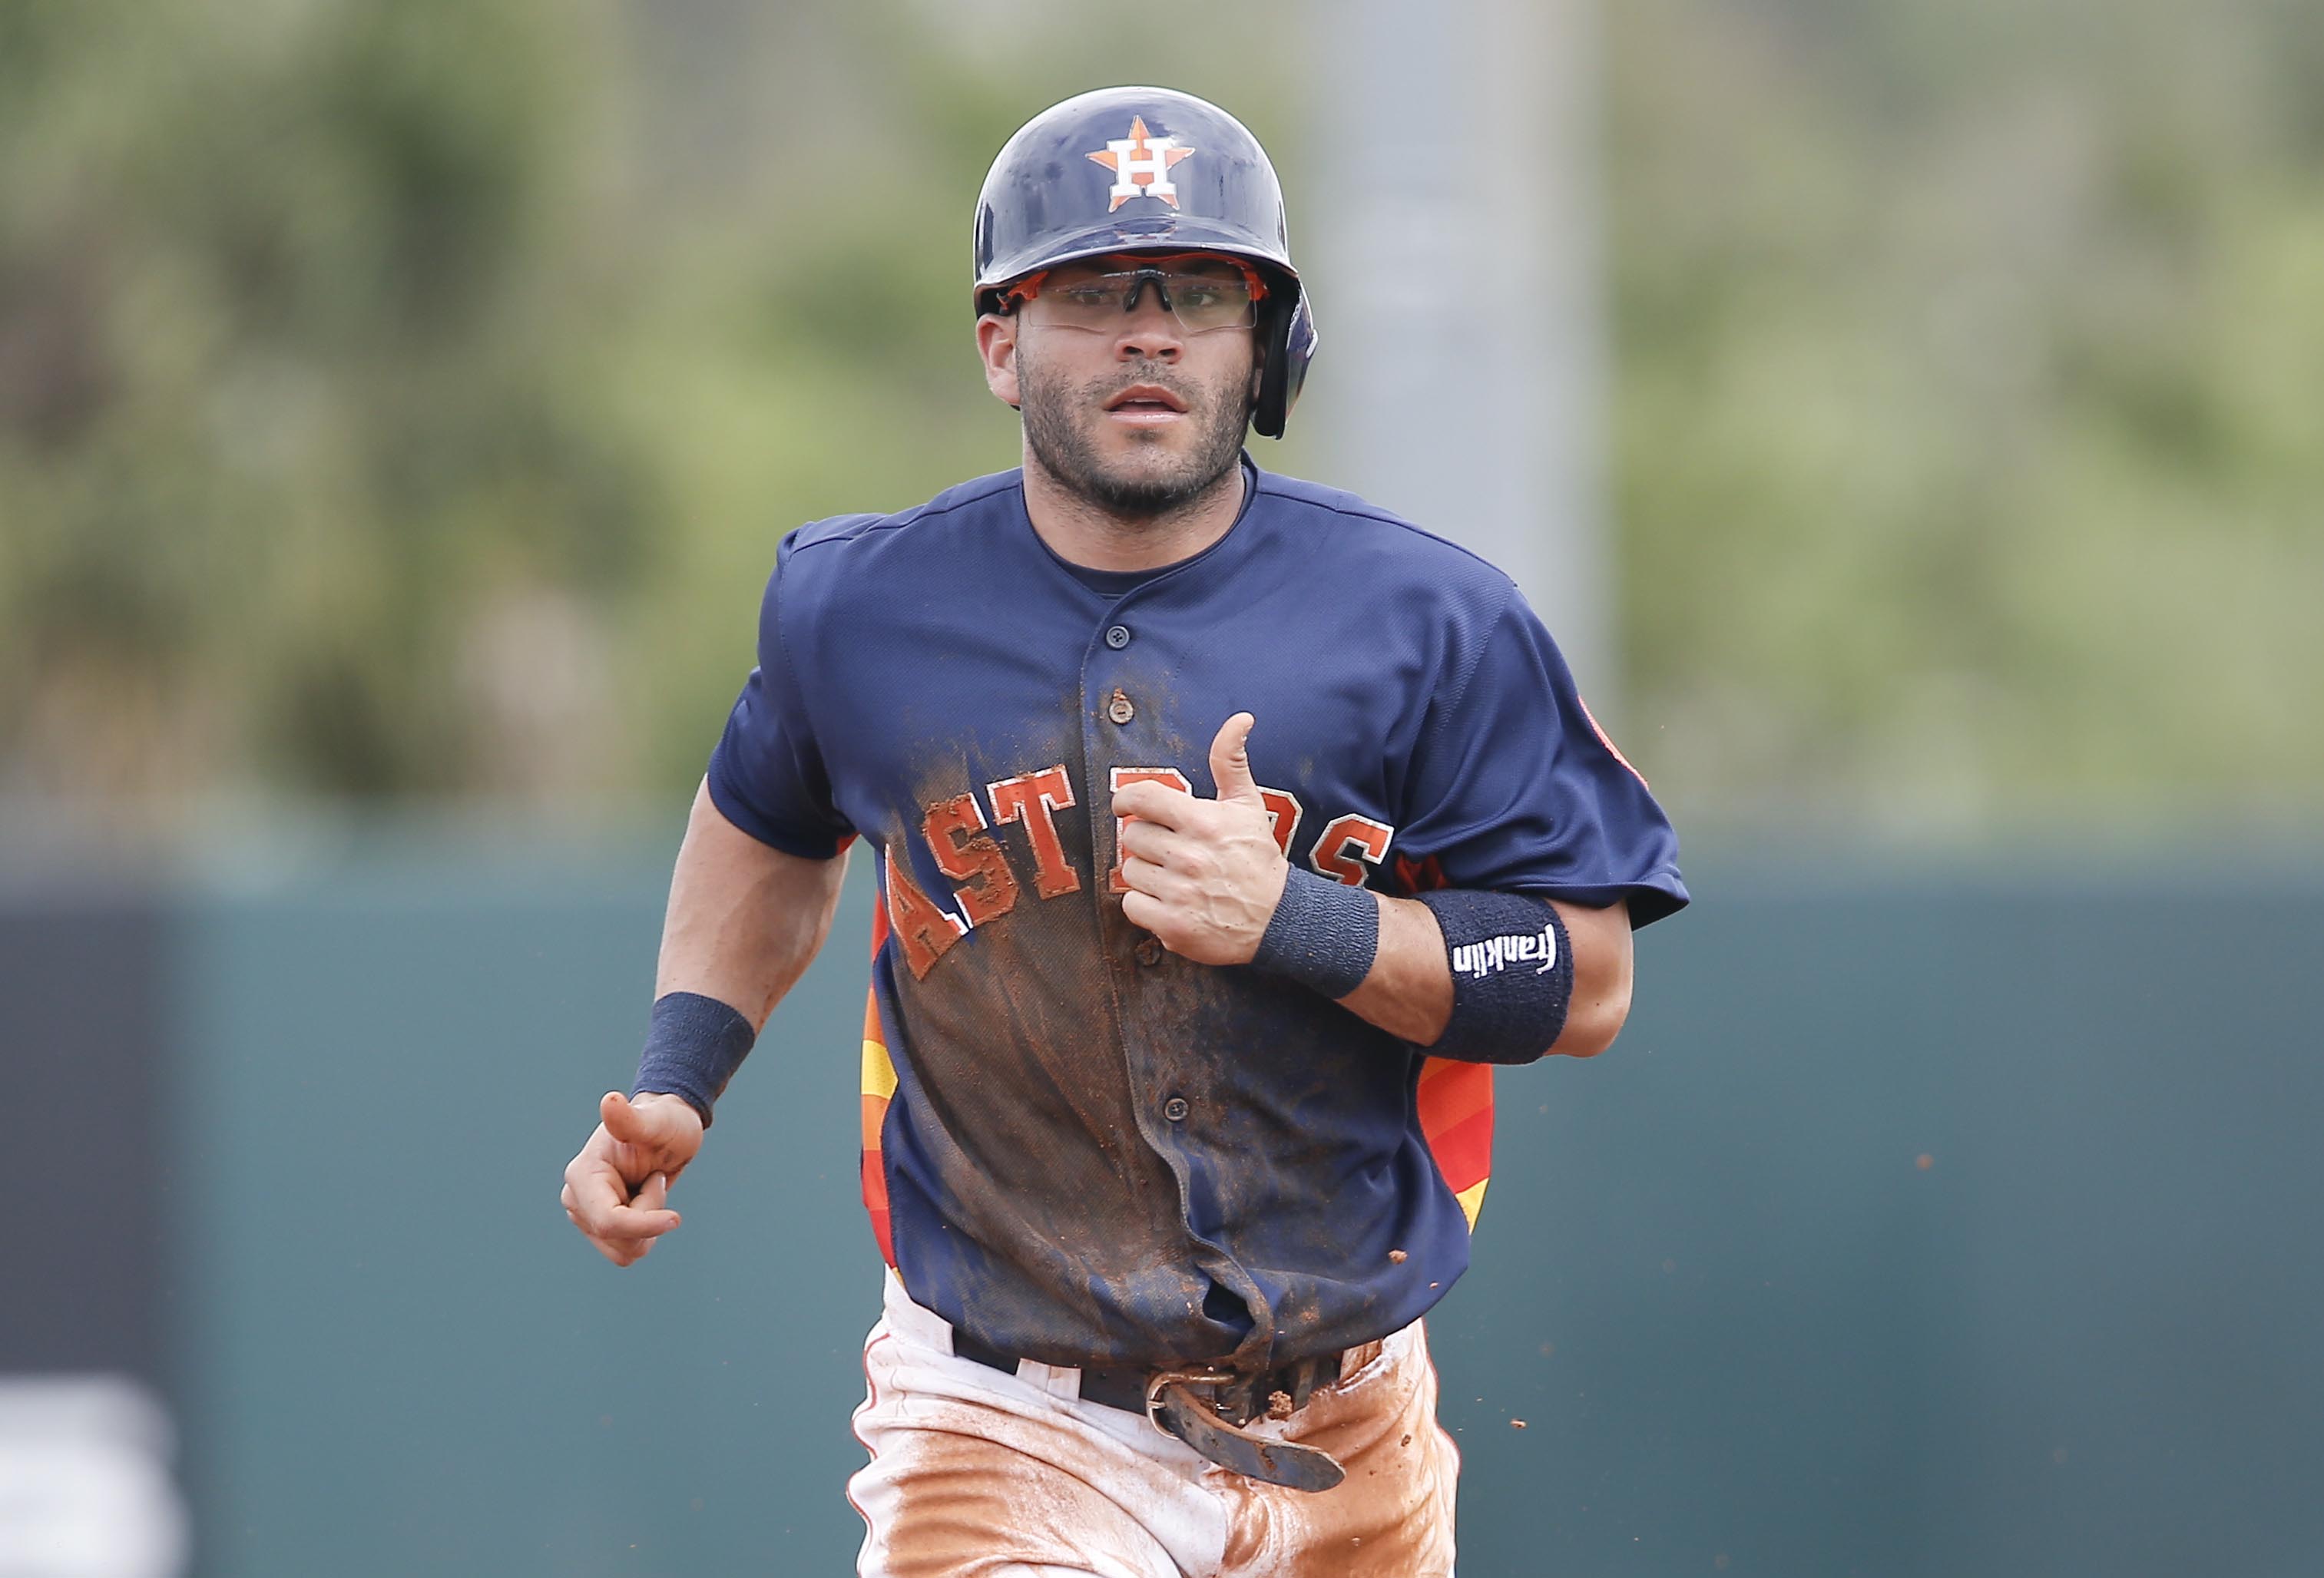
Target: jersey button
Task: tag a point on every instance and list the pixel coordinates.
(1119, 709)
(1148, 951)
(1117, 637)
(1175, 1109)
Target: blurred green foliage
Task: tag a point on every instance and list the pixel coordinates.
(405, 396)
(1970, 404)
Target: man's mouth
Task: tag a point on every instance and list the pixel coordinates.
(1145, 405)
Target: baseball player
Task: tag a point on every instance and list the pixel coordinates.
(1229, 831)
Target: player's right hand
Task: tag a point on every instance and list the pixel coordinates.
(617, 1187)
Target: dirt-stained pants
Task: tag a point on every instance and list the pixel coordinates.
(977, 1475)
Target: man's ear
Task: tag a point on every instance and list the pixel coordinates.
(996, 346)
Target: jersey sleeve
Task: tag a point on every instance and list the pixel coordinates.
(767, 775)
(1514, 788)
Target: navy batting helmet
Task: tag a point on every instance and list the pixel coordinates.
(1147, 169)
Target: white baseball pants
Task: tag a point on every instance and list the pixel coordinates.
(978, 1474)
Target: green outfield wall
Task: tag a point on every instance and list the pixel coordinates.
(1922, 1222)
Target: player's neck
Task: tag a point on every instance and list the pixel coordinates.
(1084, 533)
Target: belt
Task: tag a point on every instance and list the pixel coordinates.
(1203, 1407)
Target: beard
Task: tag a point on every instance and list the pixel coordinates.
(1058, 432)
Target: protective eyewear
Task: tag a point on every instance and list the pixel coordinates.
(1226, 295)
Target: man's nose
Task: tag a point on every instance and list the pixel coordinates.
(1149, 329)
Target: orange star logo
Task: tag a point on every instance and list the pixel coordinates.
(1141, 165)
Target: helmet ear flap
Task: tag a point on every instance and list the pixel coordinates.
(1287, 344)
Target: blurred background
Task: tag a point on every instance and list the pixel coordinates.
(1910, 414)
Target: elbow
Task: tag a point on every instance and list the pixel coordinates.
(1592, 1022)
(1600, 1001)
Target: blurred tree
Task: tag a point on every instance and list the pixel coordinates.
(282, 412)
(1971, 377)
(405, 396)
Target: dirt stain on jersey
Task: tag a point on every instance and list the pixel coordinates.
(1027, 1107)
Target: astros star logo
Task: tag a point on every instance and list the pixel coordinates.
(1141, 165)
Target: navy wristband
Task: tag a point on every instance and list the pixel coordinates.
(1324, 934)
(693, 1047)
(1512, 968)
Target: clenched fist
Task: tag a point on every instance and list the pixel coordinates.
(617, 1188)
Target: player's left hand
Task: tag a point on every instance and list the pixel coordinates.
(1204, 875)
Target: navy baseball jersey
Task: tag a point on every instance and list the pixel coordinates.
(1079, 1147)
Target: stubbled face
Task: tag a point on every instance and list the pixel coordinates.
(1141, 417)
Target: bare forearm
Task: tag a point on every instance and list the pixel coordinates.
(745, 920)
(1409, 992)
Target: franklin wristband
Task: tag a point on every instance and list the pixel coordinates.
(1512, 967)
(693, 1047)
(1324, 934)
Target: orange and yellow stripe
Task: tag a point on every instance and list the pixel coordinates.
(879, 1090)
(1456, 1117)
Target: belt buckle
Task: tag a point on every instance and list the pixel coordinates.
(1205, 1383)
(1178, 1409)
